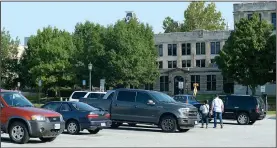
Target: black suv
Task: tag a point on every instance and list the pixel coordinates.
(243, 108)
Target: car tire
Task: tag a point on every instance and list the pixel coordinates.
(47, 139)
(73, 127)
(168, 124)
(132, 124)
(19, 133)
(252, 122)
(116, 124)
(243, 119)
(94, 131)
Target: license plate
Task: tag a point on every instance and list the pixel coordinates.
(57, 126)
(195, 122)
(103, 124)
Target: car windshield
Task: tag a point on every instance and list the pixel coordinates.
(15, 99)
(161, 97)
(83, 106)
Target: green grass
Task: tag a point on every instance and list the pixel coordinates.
(271, 112)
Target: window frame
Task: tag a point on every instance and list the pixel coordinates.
(211, 83)
(172, 49)
(164, 84)
(126, 91)
(200, 48)
(201, 61)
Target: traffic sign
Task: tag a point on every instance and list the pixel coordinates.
(263, 89)
(180, 85)
(84, 82)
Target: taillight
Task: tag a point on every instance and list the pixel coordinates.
(108, 115)
(92, 115)
(257, 109)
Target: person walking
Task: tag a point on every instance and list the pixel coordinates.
(205, 113)
(217, 109)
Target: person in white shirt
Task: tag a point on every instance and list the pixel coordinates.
(204, 109)
(217, 109)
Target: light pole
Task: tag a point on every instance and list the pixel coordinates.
(89, 68)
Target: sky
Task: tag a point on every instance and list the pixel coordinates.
(23, 19)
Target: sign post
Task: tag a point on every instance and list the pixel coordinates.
(264, 96)
(39, 90)
(102, 85)
(84, 83)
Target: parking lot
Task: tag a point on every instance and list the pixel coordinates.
(262, 133)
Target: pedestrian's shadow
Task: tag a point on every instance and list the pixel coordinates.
(8, 140)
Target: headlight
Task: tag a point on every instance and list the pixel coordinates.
(38, 118)
(61, 118)
(184, 110)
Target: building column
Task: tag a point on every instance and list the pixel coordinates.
(208, 53)
(179, 55)
(193, 54)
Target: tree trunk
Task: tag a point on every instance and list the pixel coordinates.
(253, 89)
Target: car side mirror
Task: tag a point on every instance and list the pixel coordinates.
(151, 102)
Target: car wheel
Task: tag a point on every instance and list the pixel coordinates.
(47, 139)
(132, 124)
(18, 133)
(116, 124)
(73, 127)
(252, 122)
(168, 124)
(243, 119)
(94, 131)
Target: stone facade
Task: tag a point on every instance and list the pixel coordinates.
(194, 37)
(267, 10)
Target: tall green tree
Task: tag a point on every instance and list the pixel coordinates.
(88, 39)
(49, 58)
(170, 25)
(198, 15)
(8, 57)
(245, 57)
(131, 54)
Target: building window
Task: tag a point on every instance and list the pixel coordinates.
(249, 16)
(160, 64)
(201, 63)
(172, 49)
(164, 83)
(211, 82)
(186, 63)
(200, 48)
(195, 79)
(148, 86)
(160, 49)
(186, 49)
(172, 64)
(215, 47)
(273, 20)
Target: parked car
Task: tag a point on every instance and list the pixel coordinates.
(79, 116)
(184, 98)
(76, 95)
(245, 109)
(22, 121)
(135, 106)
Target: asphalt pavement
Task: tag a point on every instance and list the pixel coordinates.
(261, 134)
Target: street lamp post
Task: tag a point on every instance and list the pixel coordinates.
(89, 68)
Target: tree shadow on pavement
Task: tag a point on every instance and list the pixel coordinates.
(139, 128)
(31, 141)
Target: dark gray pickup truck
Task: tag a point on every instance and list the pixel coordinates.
(134, 106)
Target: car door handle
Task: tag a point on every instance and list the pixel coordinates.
(236, 107)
